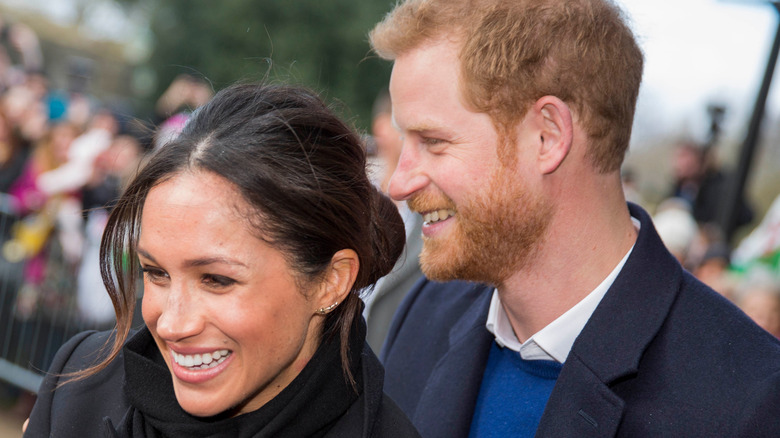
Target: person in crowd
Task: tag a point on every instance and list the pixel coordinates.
(26, 112)
(20, 53)
(759, 297)
(255, 230)
(551, 306)
(390, 290)
(688, 164)
(700, 181)
(763, 306)
(184, 94)
(13, 154)
(80, 164)
(676, 227)
(713, 268)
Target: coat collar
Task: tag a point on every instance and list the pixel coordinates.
(612, 343)
(363, 415)
(449, 398)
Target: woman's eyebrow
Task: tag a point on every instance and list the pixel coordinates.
(213, 260)
(145, 254)
(197, 262)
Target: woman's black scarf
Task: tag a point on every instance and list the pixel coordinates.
(308, 407)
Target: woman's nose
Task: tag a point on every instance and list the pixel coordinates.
(179, 315)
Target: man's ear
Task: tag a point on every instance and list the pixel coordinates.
(338, 281)
(556, 132)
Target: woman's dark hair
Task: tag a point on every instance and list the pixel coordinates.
(301, 169)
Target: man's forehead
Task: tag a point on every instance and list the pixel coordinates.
(427, 67)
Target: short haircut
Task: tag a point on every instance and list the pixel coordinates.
(515, 52)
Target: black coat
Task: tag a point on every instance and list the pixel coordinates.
(98, 406)
(662, 356)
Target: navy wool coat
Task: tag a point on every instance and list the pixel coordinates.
(662, 356)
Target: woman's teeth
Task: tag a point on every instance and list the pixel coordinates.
(437, 216)
(201, 361)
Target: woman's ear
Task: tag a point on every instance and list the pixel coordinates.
(338, 281)
(556, 132)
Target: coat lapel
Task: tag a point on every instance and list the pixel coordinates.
(580, 405)
(612, 343)
(448, 400)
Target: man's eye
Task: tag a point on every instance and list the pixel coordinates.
(430, 141)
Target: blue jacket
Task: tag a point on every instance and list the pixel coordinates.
(662, 356)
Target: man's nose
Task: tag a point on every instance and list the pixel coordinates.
(409, 175)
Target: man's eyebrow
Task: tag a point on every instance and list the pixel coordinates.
(420, 127)
(427, 129)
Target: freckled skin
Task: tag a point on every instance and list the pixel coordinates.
(210, 284)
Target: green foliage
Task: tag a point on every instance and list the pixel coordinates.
(322, 44)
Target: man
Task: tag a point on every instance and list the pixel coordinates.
(516, 116)
(390, 290)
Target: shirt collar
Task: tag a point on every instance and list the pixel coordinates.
(554, 341)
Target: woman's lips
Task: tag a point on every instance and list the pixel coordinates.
(198, 368)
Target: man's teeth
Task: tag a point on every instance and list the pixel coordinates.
(438, 215)
(201, 361)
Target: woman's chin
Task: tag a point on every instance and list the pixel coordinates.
(199, 404)
(200, 409)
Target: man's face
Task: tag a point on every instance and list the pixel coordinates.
(483, 216)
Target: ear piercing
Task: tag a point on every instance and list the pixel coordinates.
(326, 310)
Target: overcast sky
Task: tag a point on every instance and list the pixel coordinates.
(700, 52)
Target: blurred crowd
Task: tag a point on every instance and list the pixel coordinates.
(747, 271)
(63, 159)
(65, 156)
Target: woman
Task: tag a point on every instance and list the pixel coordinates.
(255, 230)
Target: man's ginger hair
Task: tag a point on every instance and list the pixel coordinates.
(514, 52)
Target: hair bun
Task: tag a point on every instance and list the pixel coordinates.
(388, 235)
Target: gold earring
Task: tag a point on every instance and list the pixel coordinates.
(325, 310)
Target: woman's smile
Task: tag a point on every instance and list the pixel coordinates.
(199, 368)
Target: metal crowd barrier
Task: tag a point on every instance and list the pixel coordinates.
(34, 321)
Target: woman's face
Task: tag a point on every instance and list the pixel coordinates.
(222, 305)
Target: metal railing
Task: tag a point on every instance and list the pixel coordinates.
(35, 320)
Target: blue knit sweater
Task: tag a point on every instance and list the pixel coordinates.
(512, 395)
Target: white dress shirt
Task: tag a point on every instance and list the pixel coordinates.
(554, 341)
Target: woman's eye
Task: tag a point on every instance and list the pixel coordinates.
(154, 274)
(218, 280)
